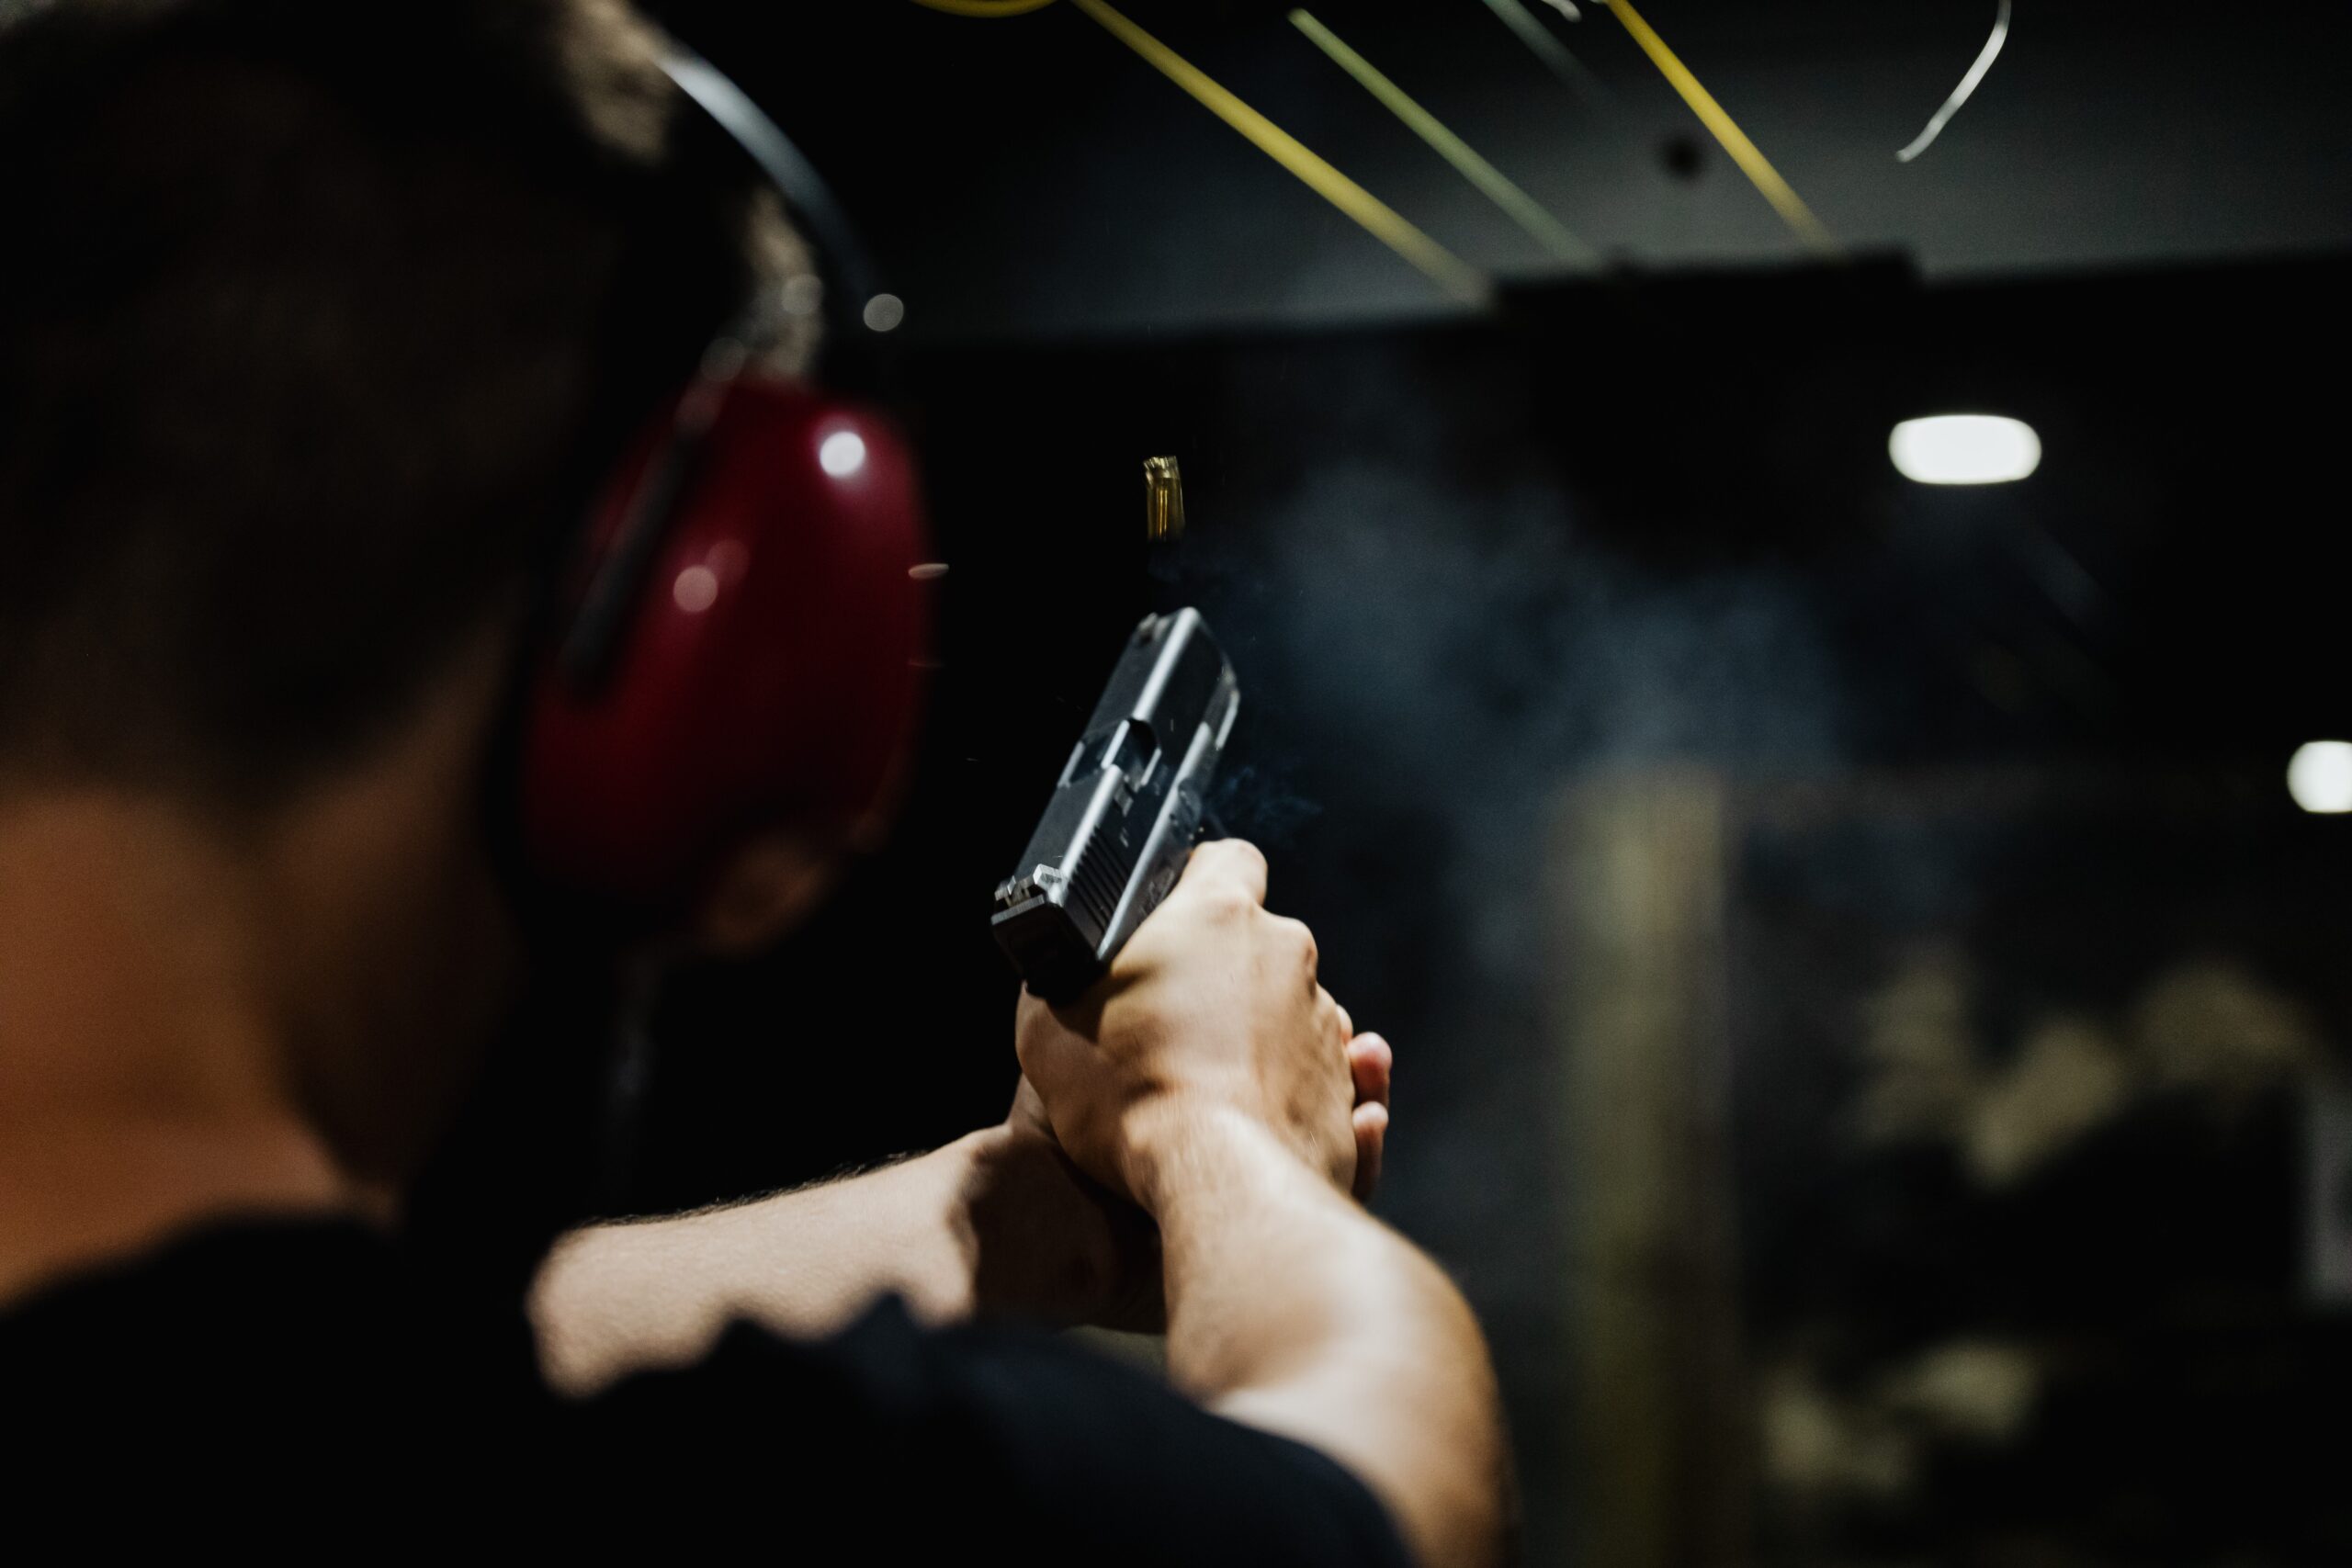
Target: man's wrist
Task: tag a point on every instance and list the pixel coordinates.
(1180, 1148)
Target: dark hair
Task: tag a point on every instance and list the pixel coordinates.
(314, 319)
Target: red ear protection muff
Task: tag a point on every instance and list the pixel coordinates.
(745, 644)
(761, 667)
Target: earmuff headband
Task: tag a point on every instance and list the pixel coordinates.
(853, 309)
(852, 300)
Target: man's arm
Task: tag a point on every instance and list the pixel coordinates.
(1209, 1078)
(1291, 1309)
(997, 1221)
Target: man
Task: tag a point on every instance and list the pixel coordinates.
(309, 320)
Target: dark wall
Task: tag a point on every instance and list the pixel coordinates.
(1458, 569)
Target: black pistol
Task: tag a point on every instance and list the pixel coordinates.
(1124, 816)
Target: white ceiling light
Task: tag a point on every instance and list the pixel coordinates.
(2320, 777)
(1964, 449)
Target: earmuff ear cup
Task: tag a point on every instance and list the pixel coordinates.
(768, 672)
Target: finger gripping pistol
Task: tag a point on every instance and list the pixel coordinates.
(1129, 805)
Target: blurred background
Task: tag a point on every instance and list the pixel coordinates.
(1871, 1012)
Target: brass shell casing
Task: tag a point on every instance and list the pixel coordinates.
(1163, 499)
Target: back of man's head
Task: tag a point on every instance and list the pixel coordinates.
(314, 319)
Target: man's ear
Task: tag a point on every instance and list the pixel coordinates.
(764, 888)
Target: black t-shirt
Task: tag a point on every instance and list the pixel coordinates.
(302, 1383)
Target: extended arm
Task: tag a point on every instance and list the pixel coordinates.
(1209, 1078)
(996, 1221)
(1292, 1309)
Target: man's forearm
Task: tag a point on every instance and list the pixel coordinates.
(1291, 1309)
(987, 1223)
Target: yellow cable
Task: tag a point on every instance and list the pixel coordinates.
(1523, 208)
(984, 7)
(1445, 269)
(1442, 267)
(1743, 151)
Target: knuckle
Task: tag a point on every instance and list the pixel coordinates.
(1296, 935)
(1229, 862)
(1244, 854)
(1229, 904)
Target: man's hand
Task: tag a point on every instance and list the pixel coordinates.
(1125, 1291)
(1370, 1064)
(1213, 1008)
(1211, 1077)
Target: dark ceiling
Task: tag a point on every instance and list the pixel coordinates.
(1031, 174)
